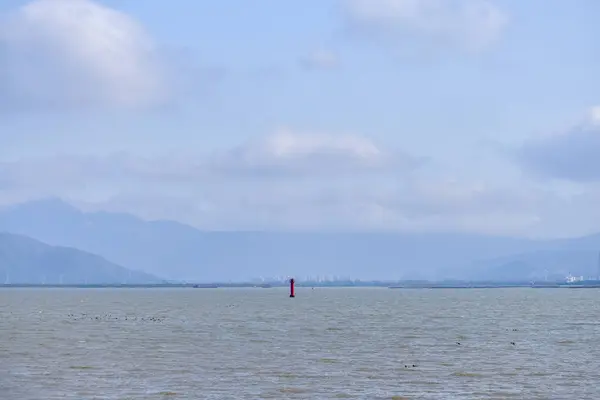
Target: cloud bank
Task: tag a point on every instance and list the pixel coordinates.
(288, 180)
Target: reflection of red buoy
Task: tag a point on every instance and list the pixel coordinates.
(292, 288)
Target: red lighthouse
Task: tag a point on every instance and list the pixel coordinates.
(292, 294)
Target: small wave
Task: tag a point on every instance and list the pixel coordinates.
(287, 375)
(566, 342)
(328, 360)
(538, 374)
(334, 329)
(467, 375)
(292, 390)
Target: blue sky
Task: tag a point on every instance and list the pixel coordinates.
(460, 115)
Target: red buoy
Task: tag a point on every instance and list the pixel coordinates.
(292, 288)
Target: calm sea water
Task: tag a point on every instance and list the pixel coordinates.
(324, 344)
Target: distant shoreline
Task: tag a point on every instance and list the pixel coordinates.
(374, 284)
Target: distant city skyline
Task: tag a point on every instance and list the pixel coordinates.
(478, 116)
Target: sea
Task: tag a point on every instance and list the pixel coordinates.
(326, 343)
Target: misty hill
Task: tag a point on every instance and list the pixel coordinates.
(24, 260)
(177, 251)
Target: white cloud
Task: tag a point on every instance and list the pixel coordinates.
(287, 152)
(320, 59)
(468, 24)
(594, 115)
(78, 53)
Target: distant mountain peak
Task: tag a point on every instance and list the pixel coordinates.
(47, 204)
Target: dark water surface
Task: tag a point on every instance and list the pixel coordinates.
(324, 344)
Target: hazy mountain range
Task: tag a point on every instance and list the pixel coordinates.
(176, 251)
(28, 261)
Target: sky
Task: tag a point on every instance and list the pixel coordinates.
(405, 115)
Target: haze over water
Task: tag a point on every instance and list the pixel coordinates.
(325, 343)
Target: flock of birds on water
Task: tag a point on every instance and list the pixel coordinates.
(110, 317)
